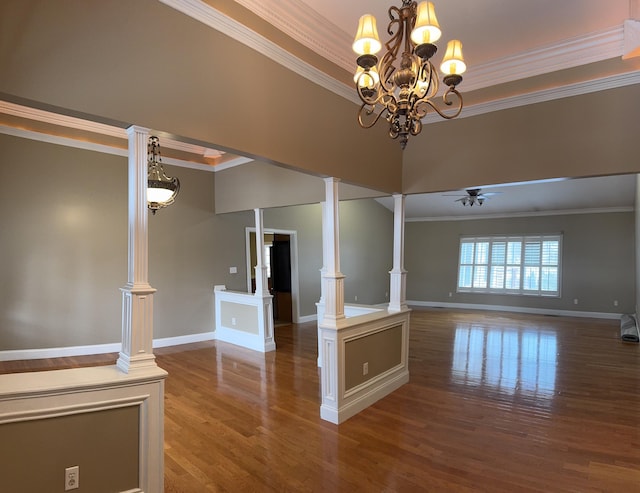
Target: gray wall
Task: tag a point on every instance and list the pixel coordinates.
(63, 245)
(266, 186)
(55, 63)
(598, 260)
(366, 249)
(64, 248)
(587, 135)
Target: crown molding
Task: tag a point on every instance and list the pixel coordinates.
(602, 84)
(59, 120)
(116, 151)
(294, 17)
(213, 18)
(507, 215)
(631, 38)
(64, 141)
(232, 163)
(573, 52)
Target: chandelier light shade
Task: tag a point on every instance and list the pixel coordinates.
(161, 189)
(403, 84)
(367, 41)
(426, 29)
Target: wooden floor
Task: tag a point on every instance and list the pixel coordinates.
(496, 402)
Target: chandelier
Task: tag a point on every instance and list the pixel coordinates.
(161, 189)
(402, 86)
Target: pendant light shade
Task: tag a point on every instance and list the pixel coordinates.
(161, 189)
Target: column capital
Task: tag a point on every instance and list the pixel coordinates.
(137, 129)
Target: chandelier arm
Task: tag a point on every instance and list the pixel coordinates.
(368, 95)
(386, 67)
(393, 45)
(444, 115)
(368, 110)
(386, 70)
(416, 126)
(429, 76)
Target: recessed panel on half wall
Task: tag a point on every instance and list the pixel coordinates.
(369, 356)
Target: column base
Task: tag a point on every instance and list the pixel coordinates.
(127, 364)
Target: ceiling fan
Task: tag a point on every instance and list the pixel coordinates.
(474, 196)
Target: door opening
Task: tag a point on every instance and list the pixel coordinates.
(282, 276)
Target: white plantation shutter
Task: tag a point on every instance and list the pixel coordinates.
(510, 265)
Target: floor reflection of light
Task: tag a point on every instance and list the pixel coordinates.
(508, 360)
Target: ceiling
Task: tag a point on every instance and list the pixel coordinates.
(601, 194)
(517, 53)
(503, 40)
(523, 45)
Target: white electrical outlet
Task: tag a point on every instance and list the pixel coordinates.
(365, 368)
(575, 301)
(356, 298)
(615, 302)
(72, 478)
(233, 320)
(233, 270)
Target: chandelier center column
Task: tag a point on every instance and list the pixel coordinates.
(332, 278)
(397, 299)
(137, 294)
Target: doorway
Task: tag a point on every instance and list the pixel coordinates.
(282, 271)
(280, 280)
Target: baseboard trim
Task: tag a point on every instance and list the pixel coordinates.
(188, 339)
(367, 398)
(515, 309)
(307, 318)
(65, 352)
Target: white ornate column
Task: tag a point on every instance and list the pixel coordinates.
(262, 286)
(323, 208)
(323, 270)
(398, 281)
(265, 307)
(333, 279)
(329, 351)
(137, 294)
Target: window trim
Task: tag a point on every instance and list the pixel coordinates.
(521, 291)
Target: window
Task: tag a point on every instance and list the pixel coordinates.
(510, 265)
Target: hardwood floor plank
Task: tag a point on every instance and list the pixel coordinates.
(496, 402)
